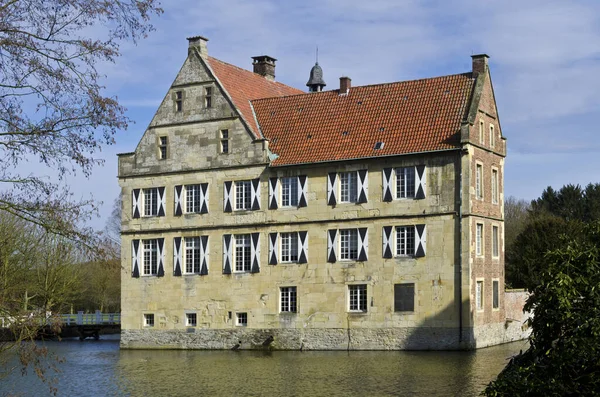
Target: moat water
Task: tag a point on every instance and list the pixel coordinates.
(99, 368)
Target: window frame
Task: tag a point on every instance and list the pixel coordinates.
(479, 181)
(288, 300)
(152, 257)
(245, 192)
(492, 136)
(495, 294)
(208, 95)
(292, 239)
(361, 299)
(405, 176)
(495, 241)
(246, 252)
(348, 187)
(481, 131)
(479, 239)
(241, 319)
(495, 185)
(179, 101)
(292, 191)
(188, 319)
(195, 257)
(148, 320)
(348, 253)
(409, 229)
(224, 135)
(401, 285)
(151, 192)
(163, 144)
(195, 199)
(479, 295)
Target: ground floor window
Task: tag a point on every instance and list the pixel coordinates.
(349, 244)
(190, 319)
(404, 297)
(150, 252)
(192, 255)
(479, 295)
(242, 253)
(241, 319)
(357, 295)
(288, 299)
(149, 320)
(495, 294)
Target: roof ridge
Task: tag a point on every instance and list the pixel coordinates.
(251, 72)
(466, 74)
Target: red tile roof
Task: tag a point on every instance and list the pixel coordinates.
(244, 85)
(408, 117)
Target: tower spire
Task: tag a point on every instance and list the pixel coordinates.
(315, 81)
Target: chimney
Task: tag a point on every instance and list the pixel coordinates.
(199, 43)
(345, 84)
(265, 66)
(480, 63)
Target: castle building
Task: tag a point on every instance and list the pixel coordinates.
(370, 217)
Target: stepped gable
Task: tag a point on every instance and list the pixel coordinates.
(244, 85)
(407, 117)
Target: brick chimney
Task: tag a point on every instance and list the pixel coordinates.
(265, 66)
(199, 43)
(345, 84)
(480, 63)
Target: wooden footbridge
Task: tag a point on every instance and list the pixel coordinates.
(87, 325)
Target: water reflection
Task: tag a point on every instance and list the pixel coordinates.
(100, 368)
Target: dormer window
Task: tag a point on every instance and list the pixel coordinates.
(208, 97)
(179, 101)
(162, 147)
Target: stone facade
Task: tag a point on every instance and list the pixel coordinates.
(445, 314)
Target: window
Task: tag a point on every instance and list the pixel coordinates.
(178, 101)
(289, 191)
(349, 244)
(481, 131)
(495, 241)
(288, 299)
(479, 240)
(243, 198)
(495, 186)
(495, 294)
(224, 141)
(479, 295)
(405, 182)
(163, 147)
(242, 253)
(150, 201)
(208, 97)
(478, 182)
(289, 247)
(191, 319)
(348, 187)
(192, 255)
(492, 136)
(150, 255)
(148, 320)
(192, 199)
(404, 297)
(357, 298)
(241, 319)
(405, 240)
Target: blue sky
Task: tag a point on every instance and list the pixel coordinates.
(544, 60)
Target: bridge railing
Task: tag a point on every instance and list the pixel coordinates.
(97, 318)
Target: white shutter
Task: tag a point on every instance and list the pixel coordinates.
(203, 255)
(331, 245)
(228, 196)
(332, 188)
(136, 203)
(162, 201)
(363, 244)
(363, 186)
(161, 257)
(387, 175)
(302, 190)
(204, 198)
(255, 252)
(273, 193)
(227, 253)
(388, 241)
(255, 195)
(273, 248)
(135, 258)
(178, 193)
(420, 182)
(177, 256)
(303, 247)
(420, 240)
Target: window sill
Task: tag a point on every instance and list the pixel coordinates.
(288, 314)
(358, 312)
(405, 313)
